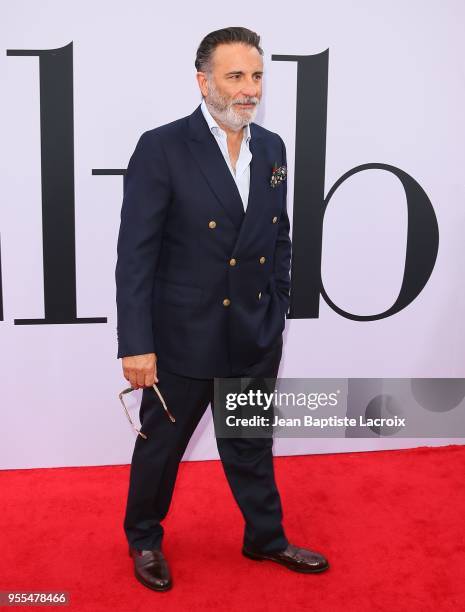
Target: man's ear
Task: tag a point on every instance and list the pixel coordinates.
(203, 84)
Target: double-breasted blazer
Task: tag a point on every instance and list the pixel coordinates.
(198, 281)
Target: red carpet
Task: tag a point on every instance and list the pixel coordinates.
(390, 522)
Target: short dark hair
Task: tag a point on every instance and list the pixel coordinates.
(224, 36)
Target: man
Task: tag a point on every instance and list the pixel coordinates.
(202, 291)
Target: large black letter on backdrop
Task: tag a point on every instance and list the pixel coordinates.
(57, 173)
(310, 203)
(422, 241)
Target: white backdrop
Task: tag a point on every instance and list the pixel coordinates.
(396, 95)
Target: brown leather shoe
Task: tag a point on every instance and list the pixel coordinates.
(294, 558)
(151, 569)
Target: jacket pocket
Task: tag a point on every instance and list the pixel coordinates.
(174, 293)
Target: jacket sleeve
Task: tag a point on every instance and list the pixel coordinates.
(146, 197)
(282, 260)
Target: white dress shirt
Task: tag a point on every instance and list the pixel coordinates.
(242, 174)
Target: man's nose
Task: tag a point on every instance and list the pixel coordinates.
(251, 89)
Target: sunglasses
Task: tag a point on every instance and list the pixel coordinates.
(157, 391)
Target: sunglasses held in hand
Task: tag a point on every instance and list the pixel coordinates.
(157, 391)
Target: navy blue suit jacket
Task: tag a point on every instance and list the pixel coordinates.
(182, 221)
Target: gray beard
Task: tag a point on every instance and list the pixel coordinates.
(224, 111)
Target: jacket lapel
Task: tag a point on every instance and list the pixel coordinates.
(260, 171)
(212, 164)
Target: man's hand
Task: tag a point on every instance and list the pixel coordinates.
(140, 370)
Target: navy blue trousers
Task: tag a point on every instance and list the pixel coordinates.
(247, 462)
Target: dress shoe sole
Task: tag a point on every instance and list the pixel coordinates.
(302, 570)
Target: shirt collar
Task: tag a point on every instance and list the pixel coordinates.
(214, 127)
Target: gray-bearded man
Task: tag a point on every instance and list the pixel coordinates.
(202, 292)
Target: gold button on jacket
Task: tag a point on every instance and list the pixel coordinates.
(232, 262)
(226, 302)
(212, 224)
(275, 219)
(262, 260)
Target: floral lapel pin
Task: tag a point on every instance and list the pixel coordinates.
(278, 175)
